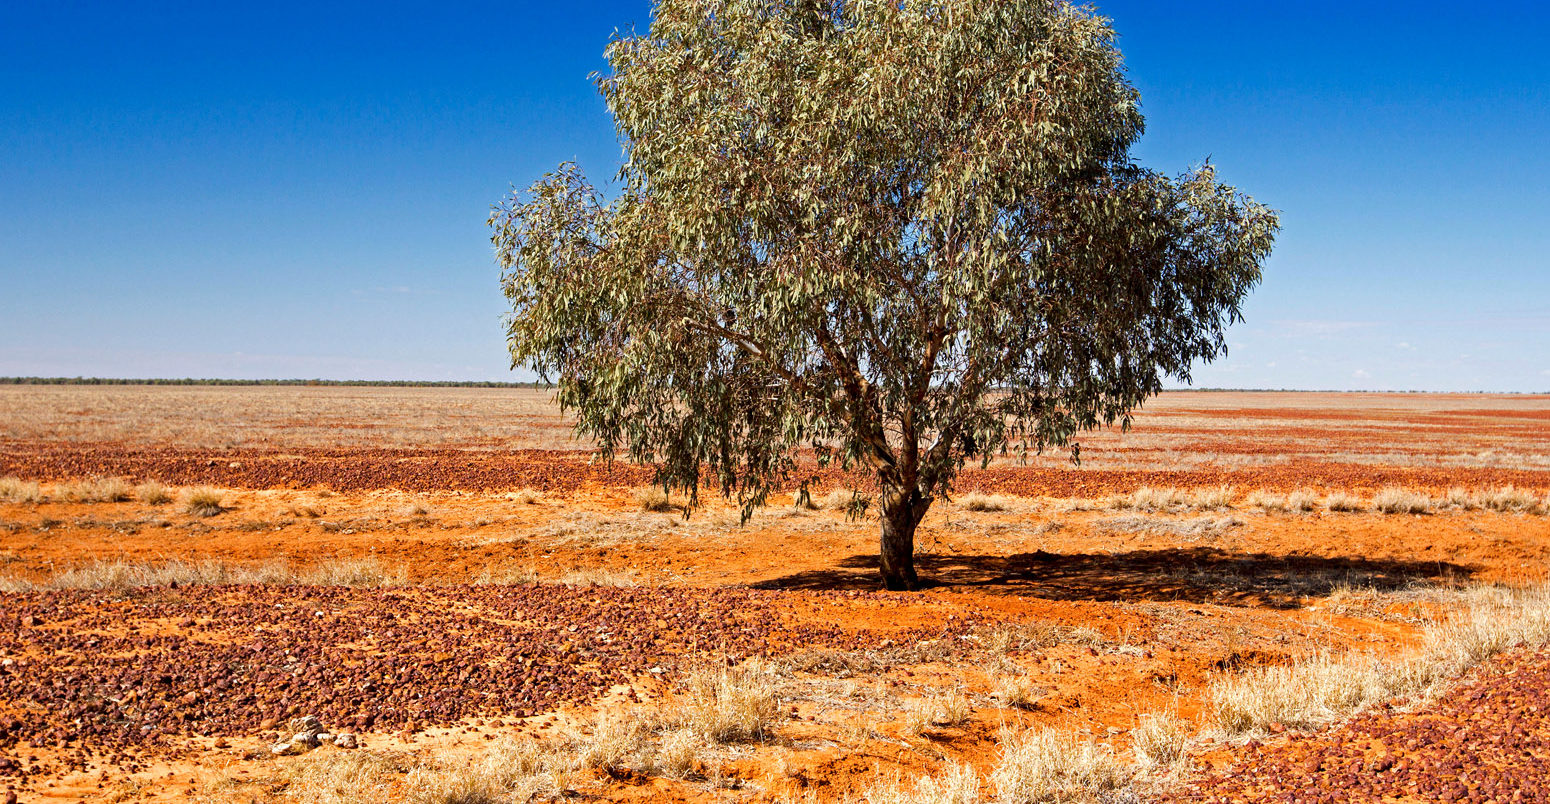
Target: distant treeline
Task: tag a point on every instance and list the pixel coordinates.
(349, 383)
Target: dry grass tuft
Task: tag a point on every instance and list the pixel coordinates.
(526, 497)
(342, 777)
(1150, 499)
(1016, 692)
(1511, 500)
(653, 499)
(1198, 527)
(677, 754)
(1343, 502)
(601, 576)
(506, 576)
(944, 710)
(975, 501)
(1297, 502)
(1046, 766)
(1325, 689)
(94, 490)
(16, 490)
(359, 573)
(1400, 501)
(203, 501)
(1159, 741)
(730, 704)
(123, 576)
(153, 493)
(1213, 499)
(955, 784)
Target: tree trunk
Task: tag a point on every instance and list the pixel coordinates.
(899, 519)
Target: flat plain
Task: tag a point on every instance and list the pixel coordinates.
(1245, 596)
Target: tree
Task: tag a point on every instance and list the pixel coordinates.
(906, 235)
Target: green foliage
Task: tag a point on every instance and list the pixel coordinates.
(904, 234)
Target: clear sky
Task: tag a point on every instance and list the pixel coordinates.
(279, 190)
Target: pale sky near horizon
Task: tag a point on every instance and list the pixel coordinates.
(298, 190)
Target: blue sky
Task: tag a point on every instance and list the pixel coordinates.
(299, 189)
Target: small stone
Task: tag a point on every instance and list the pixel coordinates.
(306, 739)
(324, 738)
(346, 740)
(286, 749)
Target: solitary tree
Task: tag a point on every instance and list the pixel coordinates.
(906, 235)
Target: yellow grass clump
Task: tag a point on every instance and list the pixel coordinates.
(975, 501)
(1043, 766)
(16, 490)
(94, 490)
(730, 704)
(1327, 689)
(954, 784)
(1343, 502)
(1400, 501)
(153, 493)
(943, 710)
(653, 499)
(1159, 741)
(203, 501)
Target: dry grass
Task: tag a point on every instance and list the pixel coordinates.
(16, 490)
(850, 502)
(1510, 500)
(1198, 527)
(123, 576)
(1297, 502)
(730, 704)
(1016, 691)
(1327, 689)
(942, 710)
(153, 493)
(1150, 499)
(1402, 501)
(359, 573)
(203, 502)
(94, 490)
(342, 777)
(653, 499)
(1343, 502)
(1159, 741)
(506, 576)
(955, 784)
(526, 497)
(975, 501)
(1045, 766)
(601, 576)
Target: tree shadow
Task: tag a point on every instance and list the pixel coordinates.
(1197, 575)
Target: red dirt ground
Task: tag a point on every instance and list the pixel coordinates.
(1172, 598)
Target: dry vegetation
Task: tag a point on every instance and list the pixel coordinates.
(1101, 639)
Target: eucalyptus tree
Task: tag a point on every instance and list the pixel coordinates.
(905, 235)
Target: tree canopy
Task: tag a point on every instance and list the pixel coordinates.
(905, 235)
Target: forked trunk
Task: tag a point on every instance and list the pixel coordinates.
(899, 519)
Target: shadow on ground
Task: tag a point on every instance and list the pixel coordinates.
(1198, 575)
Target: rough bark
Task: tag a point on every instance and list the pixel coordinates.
(899, 520)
